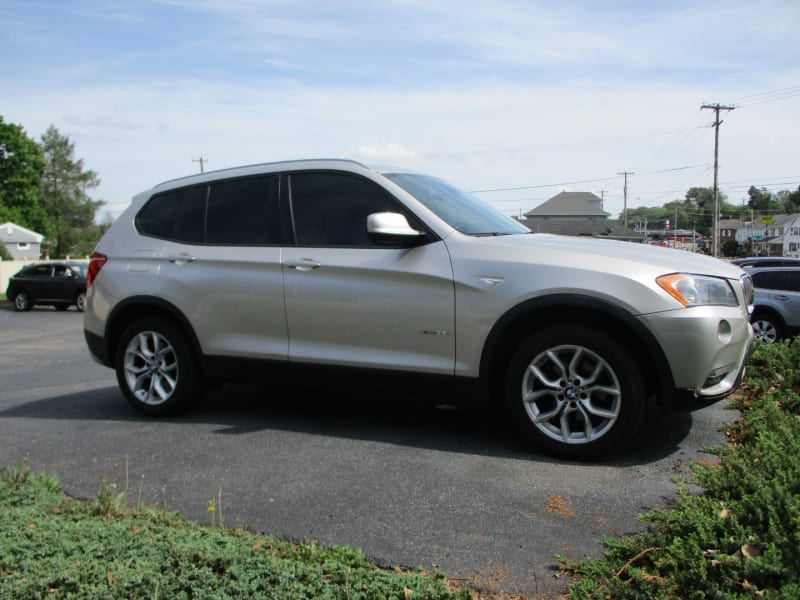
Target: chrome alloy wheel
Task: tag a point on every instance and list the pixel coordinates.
(571, 394)
(151, 368)
(765, 331)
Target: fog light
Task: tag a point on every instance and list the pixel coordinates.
(713, 380)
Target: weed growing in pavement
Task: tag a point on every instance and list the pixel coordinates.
(16, 476)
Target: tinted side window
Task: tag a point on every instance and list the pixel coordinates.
(771, 280)
(41, 271)
(330, 209)
(62, 271)
(793, 281)
(243, 212)
(177, 215)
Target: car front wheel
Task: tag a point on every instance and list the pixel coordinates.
(575, 391)
(80, 301)
(22, 301)
(156, 368)
(766, 328)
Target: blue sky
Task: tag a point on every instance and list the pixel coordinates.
(533, 96)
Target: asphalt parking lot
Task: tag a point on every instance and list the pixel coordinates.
(410, 481)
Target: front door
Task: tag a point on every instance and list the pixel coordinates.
(352, 302)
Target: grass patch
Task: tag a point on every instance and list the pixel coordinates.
(52, 546)
(740, 537)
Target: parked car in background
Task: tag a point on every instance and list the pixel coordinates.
(60, 284)
(320, 267)
(767, 261)
(776, 301)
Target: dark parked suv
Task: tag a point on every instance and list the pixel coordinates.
(59, 284)
(776, 302)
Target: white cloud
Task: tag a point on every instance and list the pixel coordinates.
(558, 93)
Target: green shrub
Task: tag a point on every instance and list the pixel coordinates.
(52, 546)
(740, 538)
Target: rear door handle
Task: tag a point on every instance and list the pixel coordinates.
(303, 264)
(180, 259)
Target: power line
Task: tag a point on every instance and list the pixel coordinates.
(770, 96)
(533, 187)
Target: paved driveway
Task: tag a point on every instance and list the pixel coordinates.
(409, 482)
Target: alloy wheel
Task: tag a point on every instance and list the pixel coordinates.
(571, 394)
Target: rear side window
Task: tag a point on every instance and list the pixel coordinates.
(236, 212)
(177, 215)
(771, 280)
(41, 271)
(242, 212)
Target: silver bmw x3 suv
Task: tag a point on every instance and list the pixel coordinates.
(331, 266)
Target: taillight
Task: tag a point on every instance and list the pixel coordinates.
(96, 263)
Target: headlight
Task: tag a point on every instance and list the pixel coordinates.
(698, 290)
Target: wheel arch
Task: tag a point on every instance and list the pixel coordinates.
(137, 307)
(762, 309)
(526, 318)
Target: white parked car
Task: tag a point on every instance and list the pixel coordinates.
(329, 263)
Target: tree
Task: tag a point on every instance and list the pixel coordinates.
(789, 200)
(64, 188)
(762, 201)
(729, 248)
(21, 167)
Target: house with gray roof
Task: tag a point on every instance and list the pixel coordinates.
(21, 243)
(578, 214)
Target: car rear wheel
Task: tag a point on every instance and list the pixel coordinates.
(156, 368)
(767, 329)
(22, 301)
(575, 392)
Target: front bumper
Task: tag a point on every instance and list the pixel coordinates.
(707, 349)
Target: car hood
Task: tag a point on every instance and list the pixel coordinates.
(610, 254)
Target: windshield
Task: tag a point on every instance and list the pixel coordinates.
(458, 209)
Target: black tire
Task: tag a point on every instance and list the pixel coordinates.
(80, 301)
(22, 301)
(156, 368)
(766, 327)
(583, 416)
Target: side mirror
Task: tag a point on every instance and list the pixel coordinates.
(392, 229)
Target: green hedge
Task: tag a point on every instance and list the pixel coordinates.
(740, 537)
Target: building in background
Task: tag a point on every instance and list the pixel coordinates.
(578, 214)
(21, 243)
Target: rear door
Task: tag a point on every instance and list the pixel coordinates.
(350, 301)
(39, 282)
(223, 268)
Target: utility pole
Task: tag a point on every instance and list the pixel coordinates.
(201, 160)
(716, 108)
(602, 198)
(625, 196)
